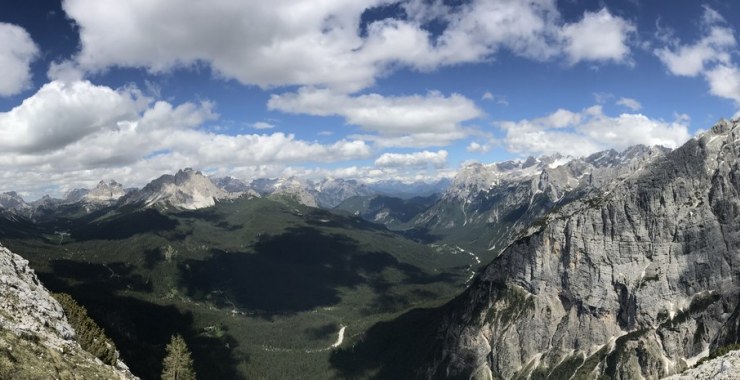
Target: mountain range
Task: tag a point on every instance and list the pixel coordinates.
(620, 264)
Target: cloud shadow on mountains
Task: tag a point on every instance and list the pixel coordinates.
(125, 226)
(298, 270)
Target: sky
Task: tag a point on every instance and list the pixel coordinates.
(409, 90)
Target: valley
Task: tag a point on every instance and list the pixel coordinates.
(259, 287)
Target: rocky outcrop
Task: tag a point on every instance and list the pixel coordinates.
(36, 341)
(637, 280)
(726, 367)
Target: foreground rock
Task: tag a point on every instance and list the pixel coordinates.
(639, 281)
(36, 341)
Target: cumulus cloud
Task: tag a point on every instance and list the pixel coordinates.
(59, 114)
(418, 120)
(17, 51)
(724, 81)
(710, 56)
(599, 36)
(323, 44)
(630, 103)
(589, 131)
(417, 159)
(82, 132)
(691, 59)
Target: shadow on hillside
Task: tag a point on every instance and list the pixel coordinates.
(125, 225)
(141, 329)
(421, 235)
(396, 349)
(298, 270)
(12, 227)
(324, 218)
(106, 278)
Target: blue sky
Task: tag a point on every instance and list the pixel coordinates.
(366, 89)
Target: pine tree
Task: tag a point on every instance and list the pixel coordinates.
(178, 365)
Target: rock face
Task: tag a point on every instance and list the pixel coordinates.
(186, 190)
(36, 341)
(640, 279)
(103, 195)
(13, 202)
(726, 367)
(487, 205)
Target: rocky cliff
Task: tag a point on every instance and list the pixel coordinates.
(638, 280)
(36, 341)
(487, 205)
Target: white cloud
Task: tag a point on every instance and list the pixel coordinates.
(417, 159)
(710, 56)
(476, 147)
(690, 60)
(598, 36)
(590, 131)
(64, 71)
(262, 125)
(429, 120)
(59, 114)
(602, 97)
(78, 132)
(17, 51)
(630, 103)
(724, 81)
(498, 99)
(294, 42)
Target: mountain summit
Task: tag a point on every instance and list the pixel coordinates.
(187, 190)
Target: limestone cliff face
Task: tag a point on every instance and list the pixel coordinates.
(641, 280)
(487, 205)
(36, 341)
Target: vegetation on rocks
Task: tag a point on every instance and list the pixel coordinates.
(90, 336)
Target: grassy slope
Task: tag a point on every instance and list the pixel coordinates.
(257, 287)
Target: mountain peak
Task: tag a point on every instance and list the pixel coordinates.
(187, 189)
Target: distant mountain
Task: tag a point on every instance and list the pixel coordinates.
(392, 212)
(230, 184)
(401, 189)
(102, 195)
(325, 193)
(186, 190)
(330, 192)
(291, 188)
(13, 202)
